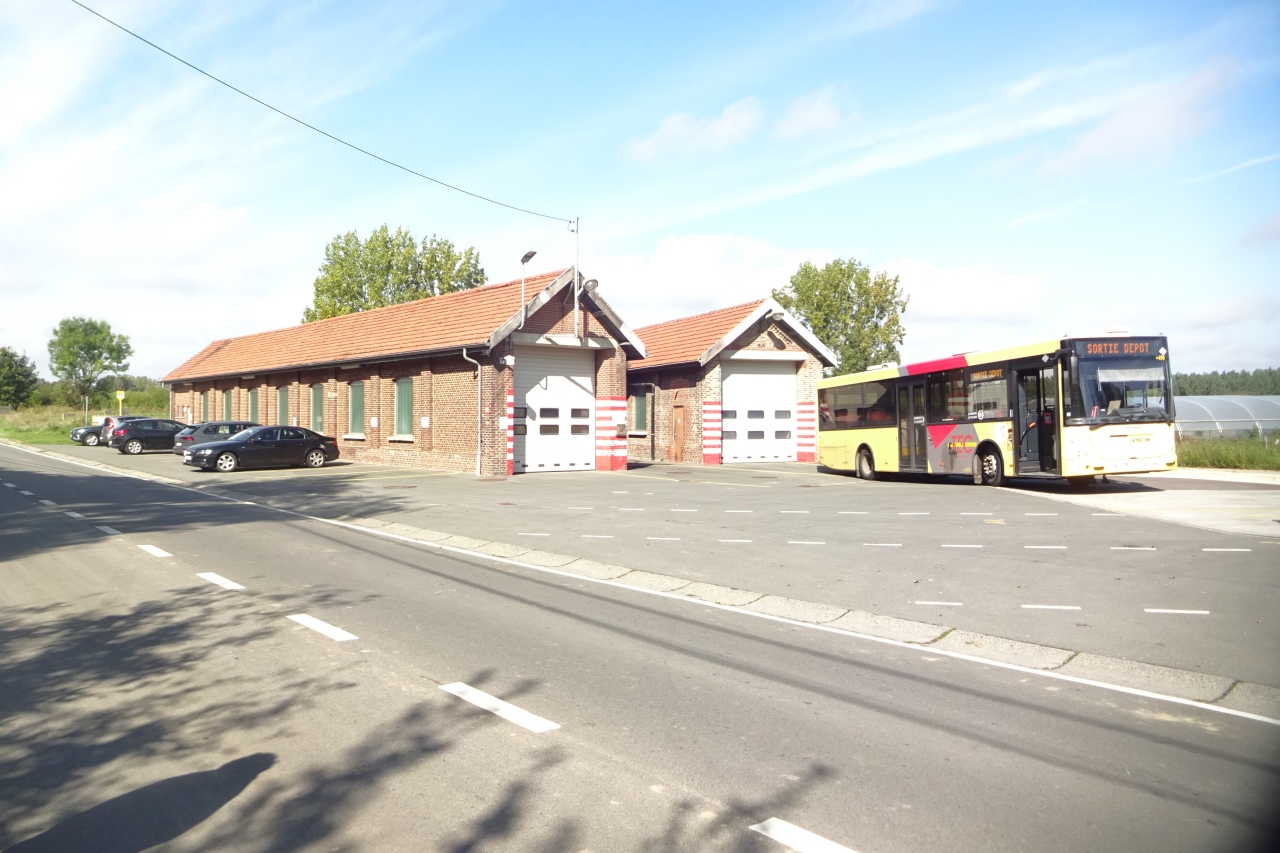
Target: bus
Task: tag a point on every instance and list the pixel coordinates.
(1073, 408)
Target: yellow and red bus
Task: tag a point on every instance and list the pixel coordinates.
(1073, 408)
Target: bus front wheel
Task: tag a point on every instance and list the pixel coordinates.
(866, 467)
(992, 468)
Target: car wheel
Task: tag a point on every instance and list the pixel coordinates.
(133, 447)
(226, 463)
(315, 459)
(992, 469)
(866, 466)
(90, 440)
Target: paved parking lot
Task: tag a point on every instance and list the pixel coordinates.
(1040, 563)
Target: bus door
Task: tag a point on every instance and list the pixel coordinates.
(1036, 419)
(913, 438)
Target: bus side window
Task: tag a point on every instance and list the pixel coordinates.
(988, 393)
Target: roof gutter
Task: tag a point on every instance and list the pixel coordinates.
(407, 356)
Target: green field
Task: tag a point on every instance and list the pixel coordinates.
(1251, 453)
(50, 424)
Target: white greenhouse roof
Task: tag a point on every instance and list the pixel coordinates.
(1235, 413)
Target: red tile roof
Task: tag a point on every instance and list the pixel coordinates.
(459, 319)
(684, 340)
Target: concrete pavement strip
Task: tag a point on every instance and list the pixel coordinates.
(1194, 686)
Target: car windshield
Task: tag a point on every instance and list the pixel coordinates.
(1119, 390)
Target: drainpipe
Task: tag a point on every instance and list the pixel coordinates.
(479, 407)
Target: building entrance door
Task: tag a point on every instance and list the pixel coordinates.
(913, 437)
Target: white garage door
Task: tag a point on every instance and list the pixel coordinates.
(758, 411)
(555, 409)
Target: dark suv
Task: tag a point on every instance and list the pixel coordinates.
(109, 423)
(133, 437)
(206, 432)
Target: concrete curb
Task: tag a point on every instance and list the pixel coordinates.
(1184, 684)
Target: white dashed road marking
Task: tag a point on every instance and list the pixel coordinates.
(110, 531)
(1107, 514)
(47, 503)
(975, 513)
(533, 534)
(739, 510)
(684, 510)
(10, 486)
(213, 577)
(941, 603)
(795, 512)
(1133, 548)
(323, 627)
(733, 540)
(913, 513)
(664, 538)
(154, 551)
(1039, 513)
(961, 546)
(581, 507)
(1185, 612)
(25, 492)
(803, 542)
(1049, 607)
(596, 536)
(1227, 549)
(505, 710)
(850, 512)
(630, 509)
(1046, 547)
(73, 514)
(800, 840)
(882, 544)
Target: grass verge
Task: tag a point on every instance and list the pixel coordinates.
(48, 424)
(1251, 453)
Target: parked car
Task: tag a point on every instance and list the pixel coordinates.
(135, 436)
(203, 433)
(111, 422)
(264, 447)
(87, 435)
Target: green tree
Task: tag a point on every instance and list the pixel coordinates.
(857, 314)
(1262, 382)
(388, 269)
(18, 377)
(82, 349)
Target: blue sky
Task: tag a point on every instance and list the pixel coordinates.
(1027, 170)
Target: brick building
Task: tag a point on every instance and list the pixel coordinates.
(734, 385)
(504, 378)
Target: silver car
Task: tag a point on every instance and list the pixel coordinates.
(211, 431)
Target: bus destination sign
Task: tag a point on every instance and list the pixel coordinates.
(1150, 347)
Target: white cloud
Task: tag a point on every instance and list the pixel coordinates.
(700, 272)
(816, 113)
(1042, 215)
(682, 134)
(1247, 164)
(869, 15)
(1265, 233)
(1151, 126)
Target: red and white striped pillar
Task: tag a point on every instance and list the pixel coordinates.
(511, 431)
(611, 448)
(711, 435)
(806, 432)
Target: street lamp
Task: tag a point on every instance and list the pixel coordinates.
(528, 256)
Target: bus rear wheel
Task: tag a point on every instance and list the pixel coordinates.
(866, 466)
(1082, 482)
(992, 468)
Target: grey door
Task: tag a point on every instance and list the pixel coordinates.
(913, 437)
(1036, 419)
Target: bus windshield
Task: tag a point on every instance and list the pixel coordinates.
(1119, 390)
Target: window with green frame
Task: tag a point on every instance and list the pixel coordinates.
(226, 404)
(356, 424)
(253, 405)
(404, 407)
(639, 410)
(282, 406)
(317, 408)
(204, 406)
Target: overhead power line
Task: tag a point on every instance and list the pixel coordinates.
(318, 130)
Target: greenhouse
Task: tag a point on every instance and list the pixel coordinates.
(1233, 416)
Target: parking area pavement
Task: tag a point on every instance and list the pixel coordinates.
(1037, 562)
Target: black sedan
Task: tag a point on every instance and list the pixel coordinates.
(264, 447)
(87, 435)
(135, 436)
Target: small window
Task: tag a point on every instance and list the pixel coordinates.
(404, 406)
(782, 433)
(549, 429)
(520, 412)
(755, 414)
(728, 414)
(782, 415)
(226, 405)
(282, 405)
(204, 405)
(580, 429)
(355, 418)
(548, 413)
(579, 413)
(317, 407)
(755, 433)
(253, 404)
(519, 429)
(729, 435)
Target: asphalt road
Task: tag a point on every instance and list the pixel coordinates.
(1039, 563)
(147, 706)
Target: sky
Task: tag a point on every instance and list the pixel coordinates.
(1027, 170)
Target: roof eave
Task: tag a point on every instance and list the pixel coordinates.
(766, 308)
(313, 365)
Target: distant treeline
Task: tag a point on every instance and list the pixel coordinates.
(1265, 381)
